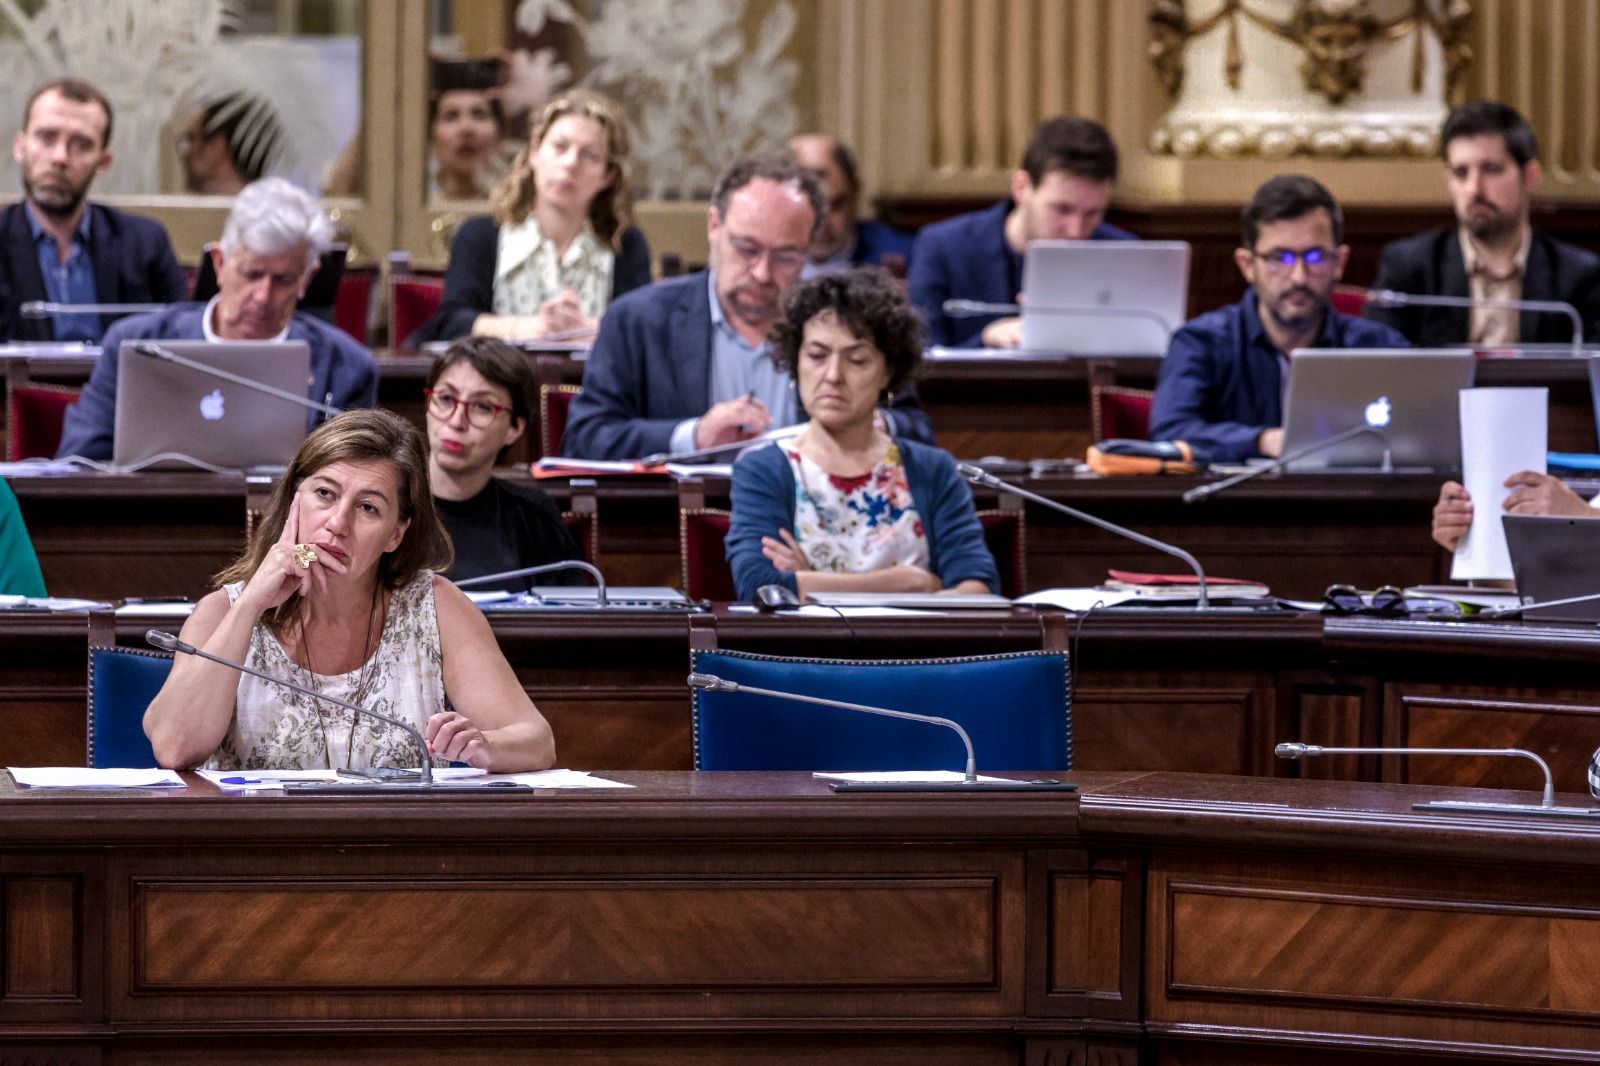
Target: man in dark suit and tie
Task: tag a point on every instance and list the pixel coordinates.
(60, 248)
(1061, 192)
(684, 364)
(1491, 253)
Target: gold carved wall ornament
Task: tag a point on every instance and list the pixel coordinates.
(1352, 84)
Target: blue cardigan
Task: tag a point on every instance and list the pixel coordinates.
(763, 503)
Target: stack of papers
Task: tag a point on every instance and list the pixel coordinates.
(48, 603)
(245, 781)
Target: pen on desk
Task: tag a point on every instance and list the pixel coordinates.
(247, 781)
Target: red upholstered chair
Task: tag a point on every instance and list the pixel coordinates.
(34, 414)
(1349, 300)
(1116, 413)
(553, 403)
(414, 297)
(701, 530)
(1005, 533)
(352, 303)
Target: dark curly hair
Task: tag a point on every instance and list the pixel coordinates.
(869, 303)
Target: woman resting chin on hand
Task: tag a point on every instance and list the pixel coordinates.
(844, 506)
(337, 593)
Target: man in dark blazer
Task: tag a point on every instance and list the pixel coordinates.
(1061, 192)
(1492, 171)
(845, 239)
(684, 364)
(60, 248)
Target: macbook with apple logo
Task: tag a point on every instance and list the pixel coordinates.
(1103, 297)
(1406, 396)
(171, 416)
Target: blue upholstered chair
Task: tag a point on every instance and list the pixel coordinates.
(1015, 707)
(122, 682)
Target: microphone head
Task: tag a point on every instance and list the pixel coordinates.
(712, 683)
(1294, 751)
(164, 641)
(972, 472)
(33, 309)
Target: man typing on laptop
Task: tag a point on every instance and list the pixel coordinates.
(1222, 384)
(269, 250)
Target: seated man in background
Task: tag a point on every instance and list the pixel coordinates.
(270, 247)
(1061, 192)
(480, 401)
(844, 239)
(1225, 376)
(1491, 253)
(685, 364)
(59, 247)
(1532, 493)
(19, 566)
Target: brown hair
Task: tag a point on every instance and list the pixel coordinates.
(79, 92)
(499, 363)
(611, 211)
(353, 437)
(869, 303)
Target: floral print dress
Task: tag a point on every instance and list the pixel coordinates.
(854, 525)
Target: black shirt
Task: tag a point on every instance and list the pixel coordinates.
(507, 527)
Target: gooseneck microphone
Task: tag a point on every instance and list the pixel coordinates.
(153, 350)
(1521, 609)
(979, 476)
(1390, 298)
(697, 454)
(974, 308)
(1211, 488)
(1546, 805)
(168, 642)
(545, 568)
(969, 782)
(46, 309)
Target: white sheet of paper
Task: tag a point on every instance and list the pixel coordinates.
(1503, 431)
(86, 777)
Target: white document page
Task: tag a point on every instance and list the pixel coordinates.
(1503, 431)
(85, 777)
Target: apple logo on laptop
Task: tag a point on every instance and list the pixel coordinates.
(1378, 412)
(211, 406)
(1103, 297)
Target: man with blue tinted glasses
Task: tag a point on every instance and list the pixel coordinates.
(1223, 382)
(684, 364)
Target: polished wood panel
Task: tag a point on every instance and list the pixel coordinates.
(41, 943)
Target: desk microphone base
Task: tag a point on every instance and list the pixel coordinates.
(952, 786)
(1468, 807)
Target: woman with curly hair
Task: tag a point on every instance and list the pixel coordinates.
(561, 245)
(843, 506)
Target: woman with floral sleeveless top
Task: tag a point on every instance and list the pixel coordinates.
(843, 506)
(337, 593)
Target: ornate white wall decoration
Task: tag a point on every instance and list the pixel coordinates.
(1325, 77)
(699, 93)
(157, 60)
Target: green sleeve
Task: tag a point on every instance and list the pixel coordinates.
(19, 567)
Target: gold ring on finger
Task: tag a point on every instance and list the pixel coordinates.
(304, 556)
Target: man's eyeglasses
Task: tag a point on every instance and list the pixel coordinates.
(1347, 599)
(1282, 260)
(752, 252)
(480, 413)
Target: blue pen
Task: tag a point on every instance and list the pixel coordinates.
(245, 781)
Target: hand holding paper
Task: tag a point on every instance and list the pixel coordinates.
(1503, 432)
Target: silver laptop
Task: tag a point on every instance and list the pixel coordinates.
(163, 407)
(1407, 394)
(1104, 297)
(1553, 558)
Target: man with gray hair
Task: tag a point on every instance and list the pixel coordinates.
(270, 247)
(684, 364)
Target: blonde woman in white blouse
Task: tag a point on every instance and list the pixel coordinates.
(561, 244)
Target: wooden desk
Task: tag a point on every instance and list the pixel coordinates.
(717, 918)
(729, 918)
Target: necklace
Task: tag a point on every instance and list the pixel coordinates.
(363, 680)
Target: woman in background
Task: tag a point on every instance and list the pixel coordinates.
(561, 245)
(19, 566)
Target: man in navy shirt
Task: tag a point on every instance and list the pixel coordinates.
(1061, 192)
(843, 239)
(55, 246)
(1223, 382)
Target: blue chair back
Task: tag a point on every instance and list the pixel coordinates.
(122, 682)
(1014, 707)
